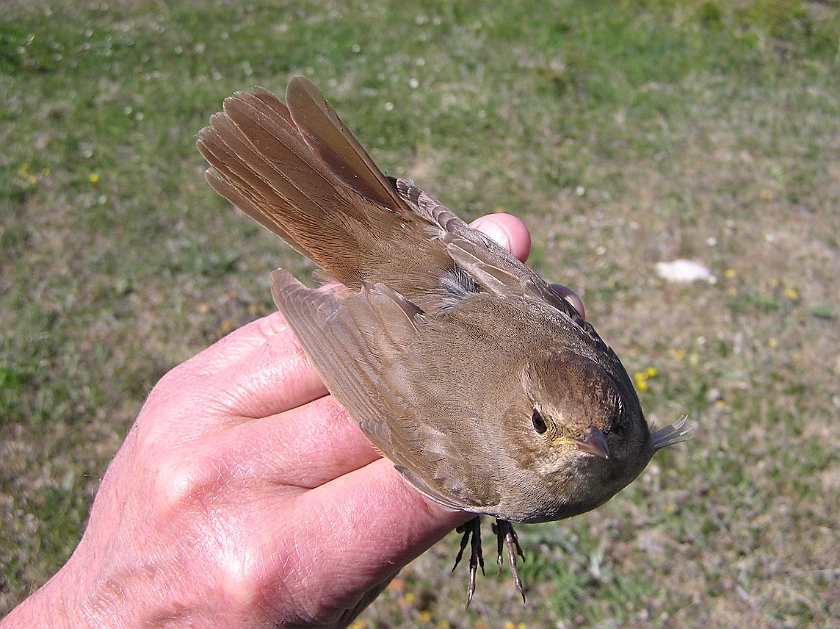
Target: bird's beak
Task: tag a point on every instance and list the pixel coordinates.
(594, 442)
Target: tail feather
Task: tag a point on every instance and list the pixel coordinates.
(239, 184)
(269, 165)
(263, 166)
(332, 141)
(301, 174)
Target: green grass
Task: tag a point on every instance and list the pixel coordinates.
(623, 133)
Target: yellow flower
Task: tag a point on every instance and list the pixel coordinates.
(93, 178)
(640, 380)
(23, 173)
(641, 377)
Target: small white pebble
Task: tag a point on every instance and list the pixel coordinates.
(682, 271)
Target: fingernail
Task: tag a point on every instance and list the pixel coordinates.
(491, 229)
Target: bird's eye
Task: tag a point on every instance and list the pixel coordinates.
(539, 422)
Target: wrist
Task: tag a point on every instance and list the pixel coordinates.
(71, 599)
(52, 605)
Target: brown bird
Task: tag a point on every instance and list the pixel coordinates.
(485, 388)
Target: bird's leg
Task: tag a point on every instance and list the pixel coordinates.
(472, 533)
(506, 536)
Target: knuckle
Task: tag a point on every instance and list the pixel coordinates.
(189, 482)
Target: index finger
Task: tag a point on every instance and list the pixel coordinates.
(256, 371)
(236, 345)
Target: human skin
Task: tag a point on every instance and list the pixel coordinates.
(244, 496)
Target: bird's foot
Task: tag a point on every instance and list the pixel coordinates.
(507, 537)
(472, 532)
(507, 540)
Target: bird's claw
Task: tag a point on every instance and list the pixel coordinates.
(472, 532)
(507, 537)
(507, 540)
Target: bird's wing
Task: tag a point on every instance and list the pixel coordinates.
(495, 269)
(366, 347)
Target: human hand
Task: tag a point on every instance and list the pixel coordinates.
(244, 496)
